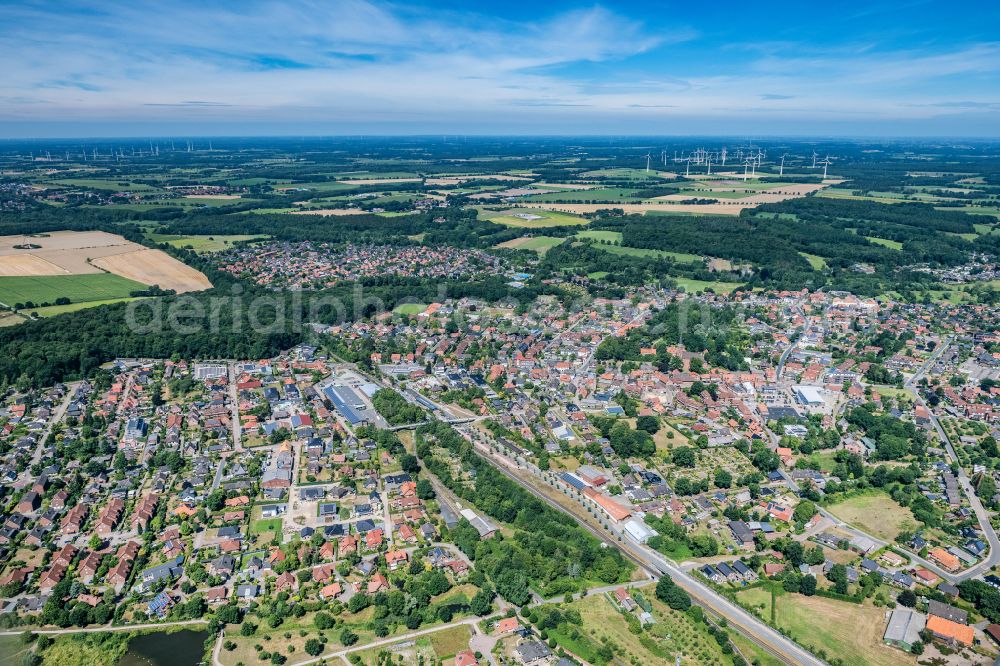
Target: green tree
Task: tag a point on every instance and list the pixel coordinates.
(683, 456)
(313, 647)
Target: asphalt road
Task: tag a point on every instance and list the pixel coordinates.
(963, 479)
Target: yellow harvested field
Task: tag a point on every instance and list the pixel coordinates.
(59, 252)
(155, 267)
(28, 265)
(330, 211)
(93, 253)
(61, 240)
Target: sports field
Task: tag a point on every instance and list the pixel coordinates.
(410, 309)
(77, 288)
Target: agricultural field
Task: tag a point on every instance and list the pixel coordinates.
(601, 235)
(70, 255)
(598, 194)
(875, 513)
(77, 288)
(628, 174)
(732, 207)
(540, 244)
(849, 631)
(53, 310)
(203, 244)
(531, 218)
(109, 184)
(154, 267)
(623, 250)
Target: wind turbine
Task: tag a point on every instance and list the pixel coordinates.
(647, 162)
(825, 163)
(814, 159)
(746, 167)
(723, 156)
(709, 164)
(781, 171)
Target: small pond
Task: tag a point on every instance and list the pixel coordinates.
(180, 648)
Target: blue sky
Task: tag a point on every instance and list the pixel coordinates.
(144, 67)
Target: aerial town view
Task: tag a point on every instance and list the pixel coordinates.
(364, 334)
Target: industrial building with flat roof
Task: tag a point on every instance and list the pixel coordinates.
(347, 402)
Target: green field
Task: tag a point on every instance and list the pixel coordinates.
(53, 310)
(876, 514)
(331, 186)
(817, 262)
(540, 244)
(626, 173)
(852, 632)
(12, 650)
(550, 218)
(110, 184)
(77, 288)
(596, 195)
(601, 235)
(410, 309)
(897, 393)
(891, 244)
(834, 193)
(693, 286)
(644, 252)
(202, 244)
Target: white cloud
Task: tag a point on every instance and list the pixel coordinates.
(348, 60)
